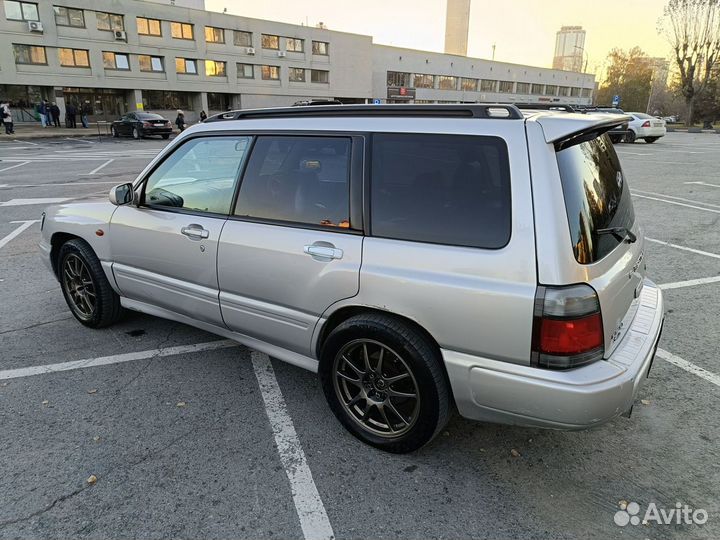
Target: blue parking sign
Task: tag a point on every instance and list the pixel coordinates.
(616, 101)
(376, 101)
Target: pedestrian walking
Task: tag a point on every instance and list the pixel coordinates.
(203, 116)
(85, 111)
(70, 114)
(43, 112)
(55, 114)
(180, 120)
(6, 114)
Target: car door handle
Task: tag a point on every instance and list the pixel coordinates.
(323, 252)
(195, 232)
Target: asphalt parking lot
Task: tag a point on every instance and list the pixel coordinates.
(191, 437)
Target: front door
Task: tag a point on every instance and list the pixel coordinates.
(165, 249)
(291, 248)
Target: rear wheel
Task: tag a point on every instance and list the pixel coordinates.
(615, 138)
(630, 137)
(651, 140)
(85, 287)
(166, 136)
(385, 383)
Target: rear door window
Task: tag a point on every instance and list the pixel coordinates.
(442, 189)
(596, 197)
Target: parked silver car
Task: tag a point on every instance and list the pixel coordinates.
(416, 257)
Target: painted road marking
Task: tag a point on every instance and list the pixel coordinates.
(675, 198)
(115, 359)
(677, 203)
(691, 250)
(95, 170)
(689, 367)
(703, 184)
(690, 283)
(25, 225)
(23, 202)
(53, 184)
(308, 504)
(15, 166)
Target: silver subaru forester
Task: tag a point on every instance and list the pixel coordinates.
(416, 257)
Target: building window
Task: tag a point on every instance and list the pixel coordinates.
(270, 42)
(29, 54)
(446, 82)
(320, 48)
(398, 78)
(214, 68)
(185, 65)
(421, 80)
(565, 91)
(150, 63)
(319, 76)
(522, 88)
(550, 90)
(113, 60)
(506, 87)
(109, 21)
(270, 73)
(469, 85)
(69, 17)
(21, 11)
(297, 74)
(487, 86)
(73, 58)
(148, 27)
(585, 93)
(218, 102)
(575, 92)
(245, 71)
(295, 45)
(214, 35)
(242, 39)
(536, 89)
(180, 30)
(160, 100)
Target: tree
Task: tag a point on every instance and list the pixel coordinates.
(692, 28)
(629, 75)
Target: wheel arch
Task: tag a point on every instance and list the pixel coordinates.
(56, 242)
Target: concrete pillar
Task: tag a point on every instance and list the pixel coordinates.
(202, 104)
(236, 102)
(59, 99)
(135, 100)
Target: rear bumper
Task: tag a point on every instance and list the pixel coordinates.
(651, 132)
(495, 391)
(157, 131)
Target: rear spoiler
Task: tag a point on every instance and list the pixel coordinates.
(590, 133)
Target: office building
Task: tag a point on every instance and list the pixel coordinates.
(457, 21)
(569, 49)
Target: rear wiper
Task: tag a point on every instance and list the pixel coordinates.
(621, 233)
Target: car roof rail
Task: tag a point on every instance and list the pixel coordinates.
(547, 107)
(470, 110)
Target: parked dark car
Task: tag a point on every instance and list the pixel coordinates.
(141, 124)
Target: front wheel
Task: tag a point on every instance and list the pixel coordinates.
(136, 133)
(85, 287)
(651, 140)
(114, 132)
(384, 381)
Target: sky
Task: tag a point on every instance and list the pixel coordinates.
(523, 31)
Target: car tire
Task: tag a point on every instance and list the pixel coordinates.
(85, 286)
(615, 139)
(114, 132)
(651, 140)
(166, 137)
(377, 406)
(136, 133)
(630, 137)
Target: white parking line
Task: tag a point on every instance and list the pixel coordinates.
(689, 367)
(25, 142)
(24, 202)
(684, 248)
(115, 359)
(53, 184)
(15, 166)
(703, 184)
(677, 203)
(635, 191)
(690, 283)
(308, 504)
(18, 231)
(95, 170)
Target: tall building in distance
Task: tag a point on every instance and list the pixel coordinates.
(569, 48)
(456, 27)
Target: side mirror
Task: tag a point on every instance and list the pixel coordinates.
(122, 194)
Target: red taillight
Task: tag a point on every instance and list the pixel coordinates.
(567, 327)
(570, 336)
(646, 123)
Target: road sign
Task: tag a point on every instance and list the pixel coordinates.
(616, 101)
(376, 101)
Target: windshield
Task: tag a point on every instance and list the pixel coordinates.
(596, 197)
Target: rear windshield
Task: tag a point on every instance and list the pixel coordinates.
(596, 197)
(642, 116)
(149, 116)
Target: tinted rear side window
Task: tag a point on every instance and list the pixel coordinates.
(596, 197)
(442, 189)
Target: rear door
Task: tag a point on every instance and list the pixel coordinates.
(293, 245)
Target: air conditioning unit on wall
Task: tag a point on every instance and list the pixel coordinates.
(249, 50)
(282, 54)
(120, 35)
(35, 26)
